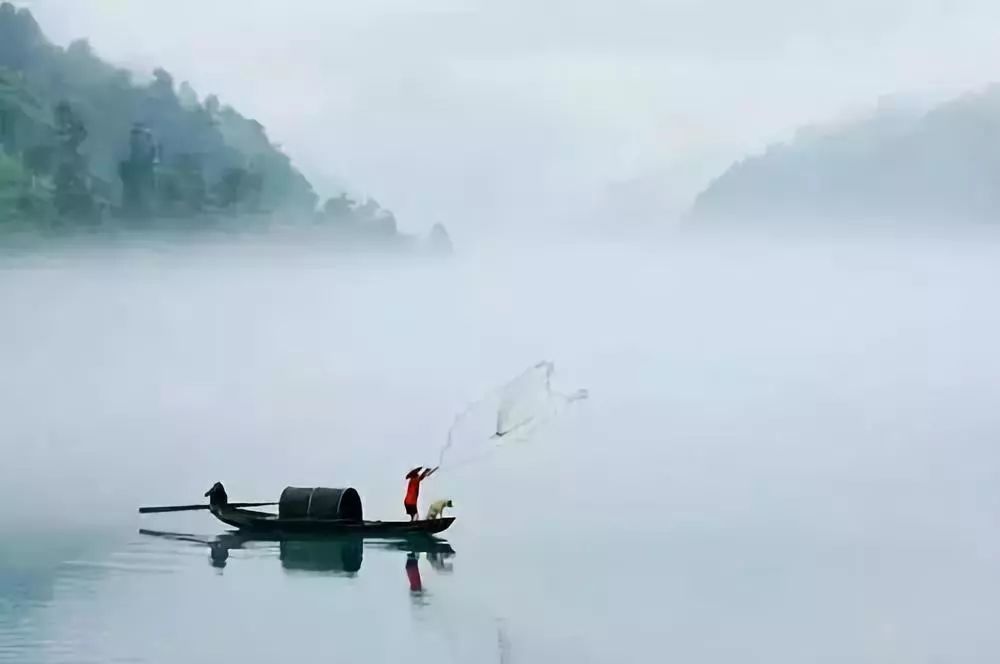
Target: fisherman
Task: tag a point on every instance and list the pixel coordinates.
(415, 477)
(217, 496)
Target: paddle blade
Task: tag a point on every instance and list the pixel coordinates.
(172, 508)
(190, 508)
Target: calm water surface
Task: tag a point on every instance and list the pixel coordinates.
(789, 455)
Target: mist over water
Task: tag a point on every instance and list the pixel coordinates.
(788, 453)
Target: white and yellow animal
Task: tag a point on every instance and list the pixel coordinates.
(436, 510)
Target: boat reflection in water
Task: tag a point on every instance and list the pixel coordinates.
(333, 555)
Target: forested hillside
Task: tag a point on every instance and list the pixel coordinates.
(83, 142)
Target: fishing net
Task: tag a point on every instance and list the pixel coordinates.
(513, 412)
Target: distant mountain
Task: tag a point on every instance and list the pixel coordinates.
(896, 165)
(82, 142)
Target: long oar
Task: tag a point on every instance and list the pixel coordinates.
(188, 508)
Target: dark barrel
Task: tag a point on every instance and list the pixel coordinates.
(319, 503)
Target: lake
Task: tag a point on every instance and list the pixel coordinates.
(788, 454)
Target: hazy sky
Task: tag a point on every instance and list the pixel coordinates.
(512, 112)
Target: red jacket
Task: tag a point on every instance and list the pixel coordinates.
(412, 491)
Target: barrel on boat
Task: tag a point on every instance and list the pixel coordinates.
(320, 503)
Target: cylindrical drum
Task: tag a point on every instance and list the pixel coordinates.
(320, 503)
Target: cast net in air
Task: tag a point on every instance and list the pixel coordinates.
(513, 412)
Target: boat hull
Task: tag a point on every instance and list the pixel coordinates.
(261, 523)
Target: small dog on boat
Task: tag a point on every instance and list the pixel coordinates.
(436, 510)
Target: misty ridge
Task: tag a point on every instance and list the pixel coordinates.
(898, 166)
(87, 145)
(84, 145)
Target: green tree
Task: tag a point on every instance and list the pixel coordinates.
(138, 173)
(72, 186)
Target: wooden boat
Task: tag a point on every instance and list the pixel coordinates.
(265, 523)
(316, 511)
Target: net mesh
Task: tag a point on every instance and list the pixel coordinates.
(513, 412)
